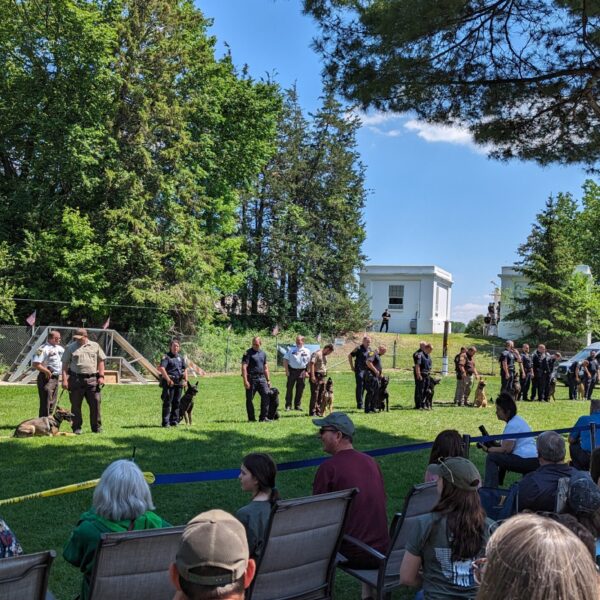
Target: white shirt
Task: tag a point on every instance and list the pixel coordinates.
(524, 447)
(298, 358)
(50, 356)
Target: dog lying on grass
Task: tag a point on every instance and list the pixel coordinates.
(480, 397)
(186, 405)
(44, 425)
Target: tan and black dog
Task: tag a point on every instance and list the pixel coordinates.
(480, 397)
(44, 425)
(327, 398)
(186, 405)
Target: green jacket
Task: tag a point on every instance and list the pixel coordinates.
(80, 549)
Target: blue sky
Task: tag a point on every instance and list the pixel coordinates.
(434, 197)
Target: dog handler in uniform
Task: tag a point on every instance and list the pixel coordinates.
(318, 373)
(359, 366)
(48, 361)
(173, 370)
(83, 374)
(255, 373)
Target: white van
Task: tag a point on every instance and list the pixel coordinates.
(563, 367)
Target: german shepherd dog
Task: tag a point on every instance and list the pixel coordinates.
(273, 413)
(516, 388)
(44, 425)
(480, 397)
(383, 396)
(429, 393)
(186, 404)
(327, 398)
(580, 391)
(552, 389)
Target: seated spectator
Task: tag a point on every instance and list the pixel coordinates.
(9, 546)
(572, 524)
(257, 476)
(518, 455)
(537, 490)
(443, 544)
(530, 557)
(213, 559)
(122, 502)
(348, 468)
(595, 465)
(580, 441)
(584, 503)
(447, 444)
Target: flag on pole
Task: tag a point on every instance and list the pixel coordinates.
(30, 320)
(229, 327)
(106, 323)
(275, 330)
(319, 338)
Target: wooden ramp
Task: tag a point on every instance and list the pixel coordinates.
(120, 355)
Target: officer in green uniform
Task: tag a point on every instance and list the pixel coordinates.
(82, 375)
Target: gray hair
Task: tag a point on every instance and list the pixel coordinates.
(551, 446)
(122, 492)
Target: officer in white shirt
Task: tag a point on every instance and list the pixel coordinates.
(48, 361)
(295, 363)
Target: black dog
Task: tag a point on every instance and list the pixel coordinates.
(383, 397)
(273, 413)
(186, 404)
(427, 403)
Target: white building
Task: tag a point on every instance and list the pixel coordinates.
(418, 298)
(512, 284)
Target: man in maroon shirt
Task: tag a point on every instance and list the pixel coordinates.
(348, 468)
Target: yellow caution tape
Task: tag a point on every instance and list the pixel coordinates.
(65, 489)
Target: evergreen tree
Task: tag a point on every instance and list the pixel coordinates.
(558, 305)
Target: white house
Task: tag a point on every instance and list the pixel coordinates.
(512, 284)
(418, 298)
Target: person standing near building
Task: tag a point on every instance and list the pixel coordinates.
(593, 371)
(422, 372)
(540, 379)
(461, 376)
(83, 375)
(256, 377)
(526, 373)
(173, 370)
(295, 363)
(385, 320)
(318, 373)
(573, 379)
(48, 361)
(358, 363)
(471, 371)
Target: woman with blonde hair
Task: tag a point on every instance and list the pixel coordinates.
(530, 557)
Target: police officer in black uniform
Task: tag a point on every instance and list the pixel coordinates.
(542, 371)
(593, 370)
(255, 373)
(373, 377)
(573, 379)
(507, 367)
(173, 370)
(359, 366)
(416, 359)
(422, 372)
(526, 371)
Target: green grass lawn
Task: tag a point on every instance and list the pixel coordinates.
(219, 439)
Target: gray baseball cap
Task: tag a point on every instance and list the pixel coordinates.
(337, 420)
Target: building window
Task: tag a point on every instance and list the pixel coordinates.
(396, 297)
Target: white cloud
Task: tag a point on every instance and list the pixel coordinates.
(469, 310)
(386, 132)
(449, 134)
(377, 117)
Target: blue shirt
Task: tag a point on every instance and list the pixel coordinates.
(584, 436)
(537, 490)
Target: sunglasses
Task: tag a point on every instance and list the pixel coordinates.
(325, 429)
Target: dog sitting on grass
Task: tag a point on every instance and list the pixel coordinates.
(480, 397)
(186, 405)
(44, 425)
(327, 398)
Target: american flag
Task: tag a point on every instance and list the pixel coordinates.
(275, 330)
(106, 324)
(30, 320)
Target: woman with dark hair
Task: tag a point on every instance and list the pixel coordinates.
(447, 444)
(257, 476)
(518, 455)
(443, 544)
(595, 465)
